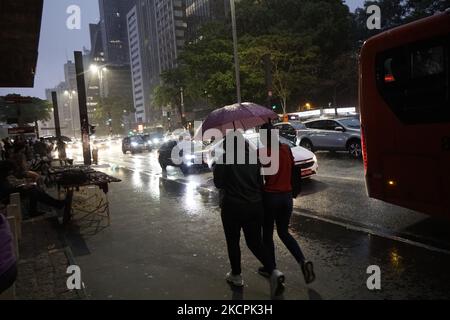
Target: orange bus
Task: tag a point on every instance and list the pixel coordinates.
(405, 115)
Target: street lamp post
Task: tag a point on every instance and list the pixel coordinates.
(235, 47)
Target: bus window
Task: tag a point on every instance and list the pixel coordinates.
(413, 81)
(427, 62)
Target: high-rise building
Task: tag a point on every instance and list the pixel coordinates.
(144, 57)
(97, 51)
(199, 12)
(114, 30)
(65, 118)
(171, 31)
(156, 33)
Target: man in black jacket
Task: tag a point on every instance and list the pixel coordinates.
(241, 185)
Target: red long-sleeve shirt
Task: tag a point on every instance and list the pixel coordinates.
(281, 182)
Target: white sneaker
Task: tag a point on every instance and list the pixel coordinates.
(234, 280)
(276, 283)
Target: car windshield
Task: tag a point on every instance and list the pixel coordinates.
(351, 123)
(137, 139)
(155, 135)
(298, 125)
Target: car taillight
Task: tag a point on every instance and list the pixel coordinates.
(364, 147)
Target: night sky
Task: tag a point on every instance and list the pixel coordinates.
(57, 43)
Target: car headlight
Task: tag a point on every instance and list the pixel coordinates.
(315, 158)
(134, 144)
(155, 141)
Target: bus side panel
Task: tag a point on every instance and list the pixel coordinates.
(406, 165)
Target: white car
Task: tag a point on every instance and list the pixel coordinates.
(304, 158)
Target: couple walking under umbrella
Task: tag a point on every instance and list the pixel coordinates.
(252, 202)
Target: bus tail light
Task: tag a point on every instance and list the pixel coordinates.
(364, 147)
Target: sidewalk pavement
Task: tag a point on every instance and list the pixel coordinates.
(43, 262)
(166, 241)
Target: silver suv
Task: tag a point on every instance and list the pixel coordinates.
(332, 135)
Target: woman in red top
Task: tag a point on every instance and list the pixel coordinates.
(278, 205)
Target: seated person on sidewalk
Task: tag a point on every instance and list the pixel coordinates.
(8, 265)
(21, 169)
(10, 185)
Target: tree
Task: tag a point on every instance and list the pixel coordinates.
(37, 110)
(293, 63)
(111, 111)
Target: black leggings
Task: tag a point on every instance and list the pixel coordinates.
(249, 218)
(8, 278)
(278, 209)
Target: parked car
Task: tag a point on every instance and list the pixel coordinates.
(333, 135)
(303, 157)
(191, 161)
(291, 130)
(134, 144)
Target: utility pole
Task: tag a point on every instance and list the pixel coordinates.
(84, 119)
(56, 115)
(183, 112)
(236, 53)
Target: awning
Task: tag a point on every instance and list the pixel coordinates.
(20, 26)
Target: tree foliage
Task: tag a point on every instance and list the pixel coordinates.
(37, 110)
(313, 47)
(113, 108)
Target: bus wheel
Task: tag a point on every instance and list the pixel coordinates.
(354, 149)
(306, 144)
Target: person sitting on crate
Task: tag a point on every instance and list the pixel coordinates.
(21, 168)
(8, 263)
(9, 185)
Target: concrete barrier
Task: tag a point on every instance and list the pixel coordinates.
(10, 294)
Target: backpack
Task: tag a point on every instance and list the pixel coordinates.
(296, 179)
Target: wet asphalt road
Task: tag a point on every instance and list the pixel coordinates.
(166, 241)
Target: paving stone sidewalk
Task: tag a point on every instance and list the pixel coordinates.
(43, 262)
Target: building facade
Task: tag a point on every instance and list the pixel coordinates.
(114, 30)
(171, 29)
(199, 12)
(136, 67)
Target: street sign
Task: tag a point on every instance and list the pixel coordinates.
(24, 130)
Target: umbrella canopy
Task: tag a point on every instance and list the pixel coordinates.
(243, 116)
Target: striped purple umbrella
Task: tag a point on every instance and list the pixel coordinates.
(243, 116)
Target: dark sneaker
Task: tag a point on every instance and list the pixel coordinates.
(234, 280)
(276, 284)
(308, 272)
(263, 272)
